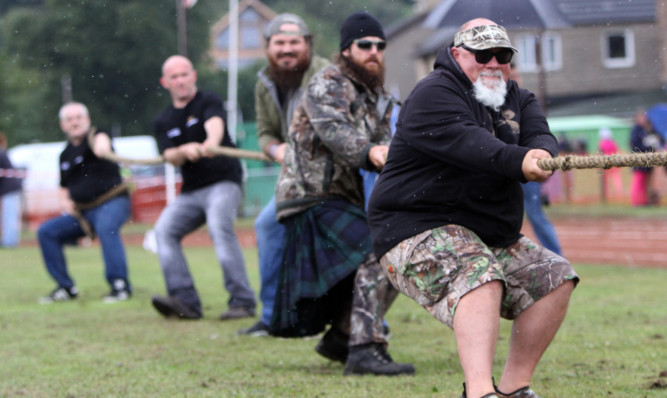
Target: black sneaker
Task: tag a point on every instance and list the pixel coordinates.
(373, 359)
(60, 294)
(333, 345)
(524, 392)
(257, 330)
(237, 313)
(489, 395)
(173, 307)
(119, 292)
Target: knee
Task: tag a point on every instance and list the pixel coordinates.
(45, 232)
(42, 233)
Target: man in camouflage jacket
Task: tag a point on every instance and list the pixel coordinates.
(277, 92)
(340, 126)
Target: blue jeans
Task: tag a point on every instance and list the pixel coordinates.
(107, 220)
(270, 234)
(217, 206)
(543, 228)
(11, 219)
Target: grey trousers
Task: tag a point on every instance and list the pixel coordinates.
(216, 205)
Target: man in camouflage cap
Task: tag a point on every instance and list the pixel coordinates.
(340, 126)
(446, 212)
(289, 50)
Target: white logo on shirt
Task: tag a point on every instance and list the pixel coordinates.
(175, 132)
(64, 166)
(191, 121)
(78, 159)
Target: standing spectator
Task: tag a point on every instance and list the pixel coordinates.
(643, 139)
(278, 90)
(329, 274)
(612, 176)
(447, 210)
(94, 202)
(10, 203)
(532, 199)
(542, 226)
(210, 194)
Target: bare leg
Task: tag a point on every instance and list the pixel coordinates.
(476, 323)
(532, 332)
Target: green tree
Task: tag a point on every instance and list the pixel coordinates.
(111, 51)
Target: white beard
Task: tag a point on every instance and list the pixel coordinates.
(493, 97)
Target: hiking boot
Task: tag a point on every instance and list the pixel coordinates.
(373, 359)
(119, 292)
(173, 307)
(333, 345)
(237, 313)
(524, 392)
(60, 294)
(257, 330)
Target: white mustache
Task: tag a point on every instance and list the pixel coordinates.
(495, 73)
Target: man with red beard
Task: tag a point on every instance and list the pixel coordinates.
(277, 93)
(446, 212)
(329, 275)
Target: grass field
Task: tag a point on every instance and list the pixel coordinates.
(612, 344)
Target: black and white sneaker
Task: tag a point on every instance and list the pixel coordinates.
(119, 292)
(60, 294)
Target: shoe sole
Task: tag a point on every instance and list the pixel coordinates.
(258, 333)
(330, 355)
(168, 311)
(357, 372)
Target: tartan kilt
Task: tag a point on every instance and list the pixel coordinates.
(324, 246)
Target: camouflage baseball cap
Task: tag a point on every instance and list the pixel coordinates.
(484, 37)
(273, 28)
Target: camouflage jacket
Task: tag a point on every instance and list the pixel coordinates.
(272, 118)
(336, 123)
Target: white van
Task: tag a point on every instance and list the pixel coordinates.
(42, 182)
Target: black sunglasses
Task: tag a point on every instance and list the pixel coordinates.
(368, 44)
(503, 56)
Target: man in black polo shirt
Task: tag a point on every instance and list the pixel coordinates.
(94, 201)
(210, 194)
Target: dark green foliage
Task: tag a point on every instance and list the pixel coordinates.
(113, 51)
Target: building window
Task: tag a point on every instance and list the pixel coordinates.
(618, 49)
(251, 36)
(526, 59)
(222, 41)
(551, 58)
(250, 30)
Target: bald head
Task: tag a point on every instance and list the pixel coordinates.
(176, 61)
(180, 78)
(74, 120)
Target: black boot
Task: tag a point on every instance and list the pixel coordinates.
(373, 359)
(333, 345)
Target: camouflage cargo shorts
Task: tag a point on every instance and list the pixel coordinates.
(439, 266)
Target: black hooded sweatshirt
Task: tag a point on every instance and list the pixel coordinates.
(456, 161)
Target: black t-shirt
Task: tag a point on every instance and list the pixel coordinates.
(174, 127)
(85, 175)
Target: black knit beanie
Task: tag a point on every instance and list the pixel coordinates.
(360, 24)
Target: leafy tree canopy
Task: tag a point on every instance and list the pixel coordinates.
(110, 54)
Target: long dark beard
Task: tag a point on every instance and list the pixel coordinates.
(370, 78)
(288, 80)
